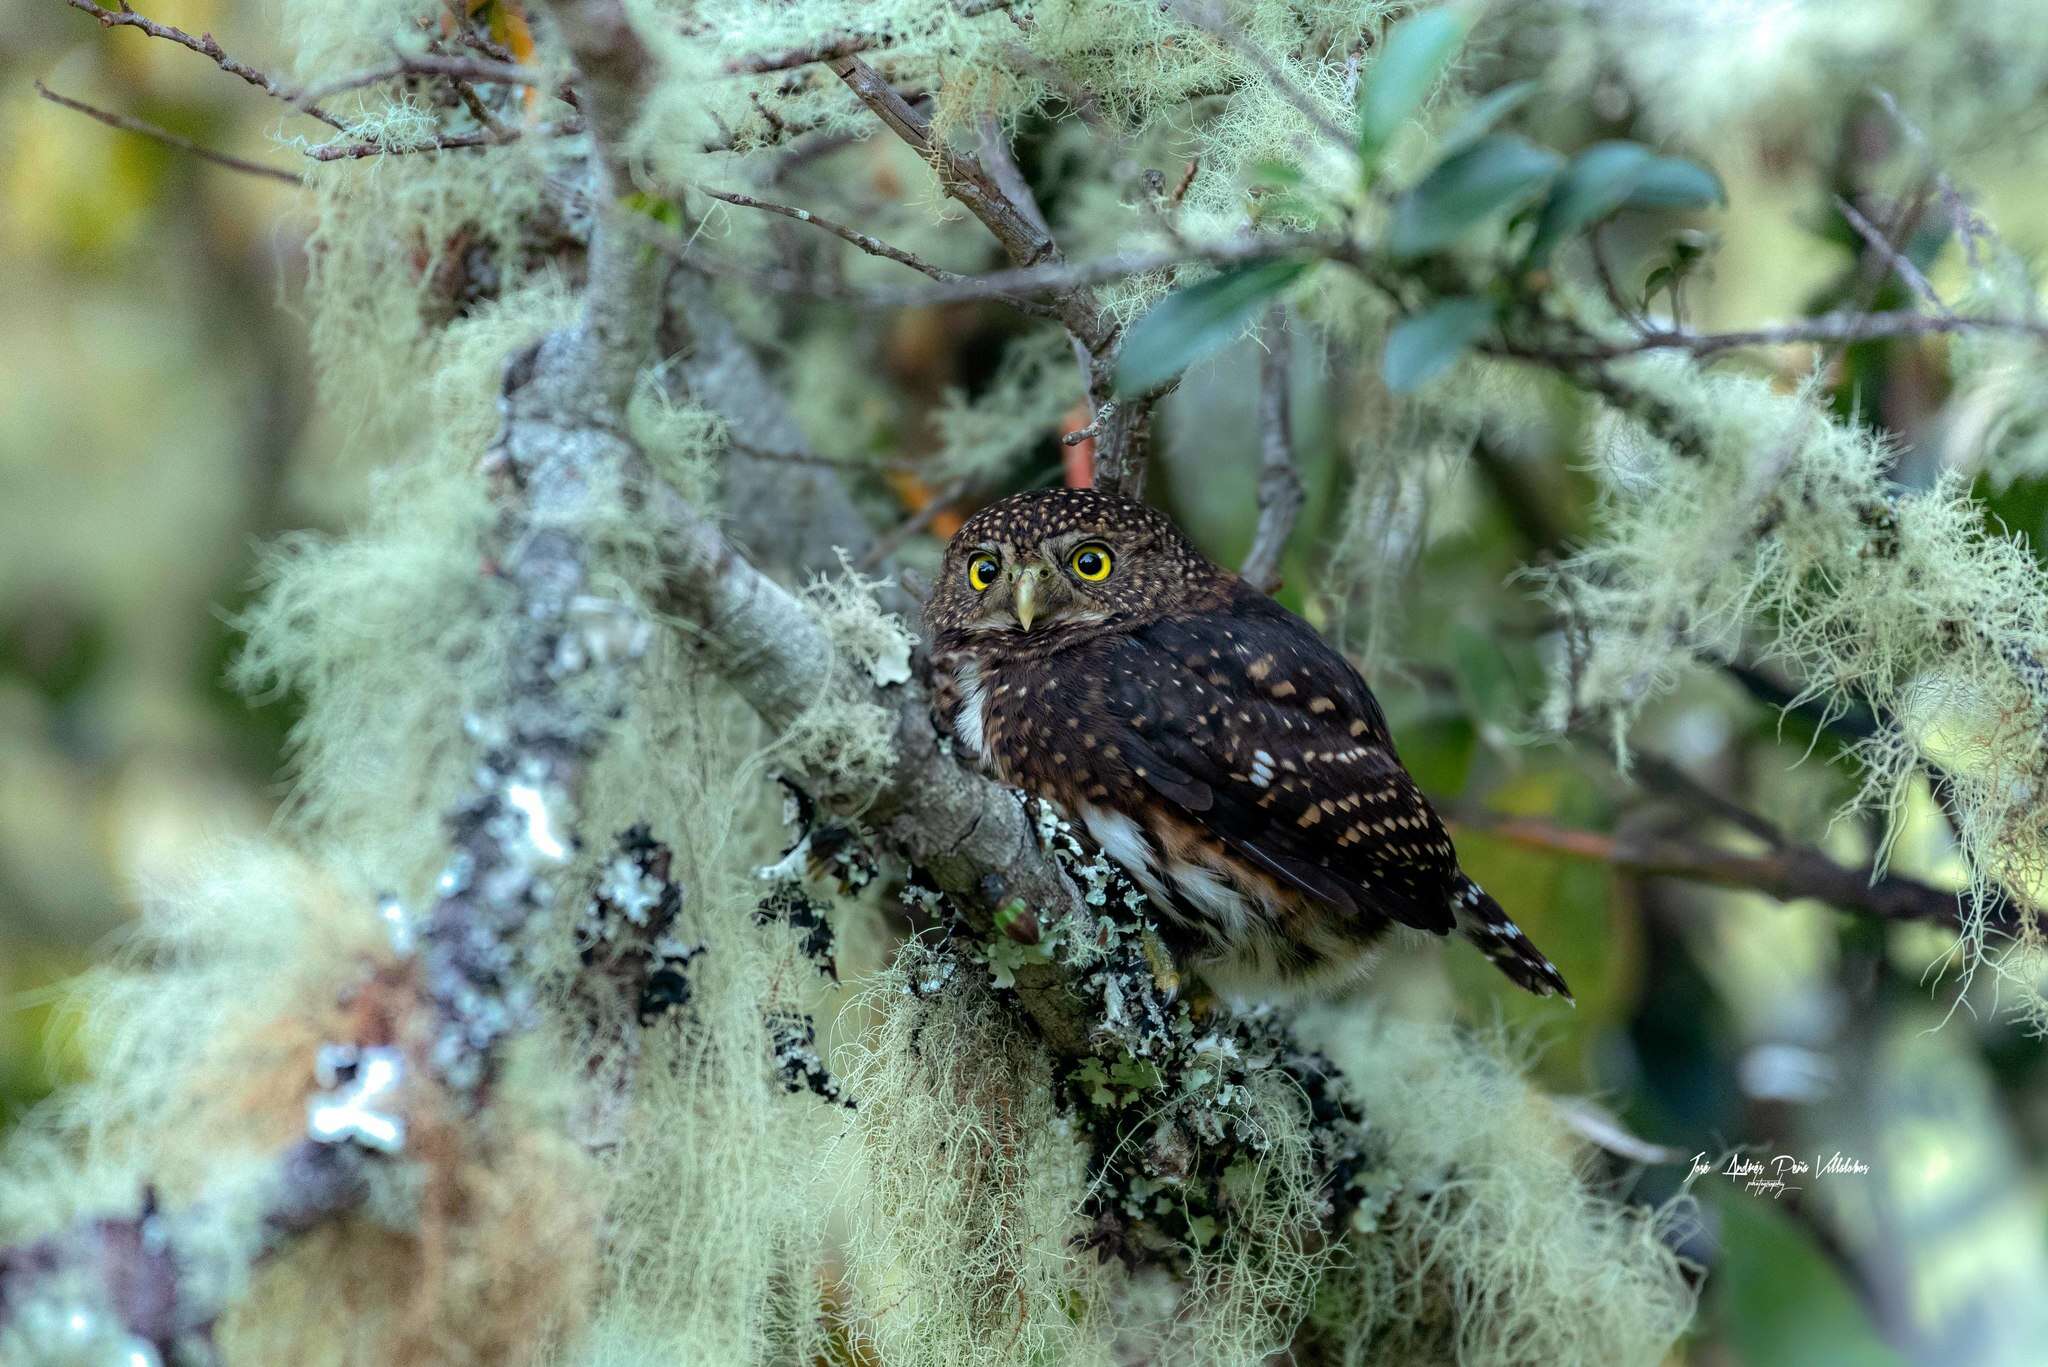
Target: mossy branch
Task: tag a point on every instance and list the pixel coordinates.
(512, 828)
(1122, 423)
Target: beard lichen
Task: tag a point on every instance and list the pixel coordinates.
(1785, 541)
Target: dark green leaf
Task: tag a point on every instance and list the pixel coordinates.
(1598, 181)
(1485, 676)
(1609, 176)
(1494, 174)
(1198, 321)
(1675, 183)
(1476, 122)
(1414, 55)
(1423, 347)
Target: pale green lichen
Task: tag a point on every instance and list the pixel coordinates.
(1482, 1241)
(1785, 541)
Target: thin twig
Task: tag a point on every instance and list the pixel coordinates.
(426, 64)
(1832, 328)
(1786, 874)
(163, 135)
(1123, 421)
(1081, 275)
(1280, 493)
(1608, 285)
(1901, 265)
(206, 47)
(887, 543)
(873, 246)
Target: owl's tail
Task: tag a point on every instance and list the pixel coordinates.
(1482, 921)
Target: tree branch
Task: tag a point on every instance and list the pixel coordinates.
(426, 64)
(873, 246)
(512, 829)
(1122, 423)
(1280, 493)
(1787, 872)
(1831, 328)
(445, 142)
(168, 138)
(206, 47)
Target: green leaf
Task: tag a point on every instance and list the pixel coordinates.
(1423, 347)
(1414, 55)
(1609, 176)
(1494, 174)
(1598, 181)
(1485, 675)
(1476, 122)
(663, 211)
(1197, 322)
(1675, 183)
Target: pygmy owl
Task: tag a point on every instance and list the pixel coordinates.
(1207, 739)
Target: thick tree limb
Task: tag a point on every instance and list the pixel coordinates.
(512, 830)
(972, 837)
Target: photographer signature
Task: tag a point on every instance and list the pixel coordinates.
(1776, 1175)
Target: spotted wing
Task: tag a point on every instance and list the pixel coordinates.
(1252, 725)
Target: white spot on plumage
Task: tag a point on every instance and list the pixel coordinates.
(968, 722)
(1262, 768)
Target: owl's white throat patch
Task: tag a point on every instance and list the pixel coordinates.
(968, 722)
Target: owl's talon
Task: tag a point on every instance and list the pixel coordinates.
(1165, 973)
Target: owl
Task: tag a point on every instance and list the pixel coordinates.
(1207, 739)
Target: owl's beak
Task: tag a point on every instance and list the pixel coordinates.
(1025, 596)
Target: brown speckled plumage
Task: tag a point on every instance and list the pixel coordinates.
(1206, 738)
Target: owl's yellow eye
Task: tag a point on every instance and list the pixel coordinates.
(982, 571)
(1092, 561)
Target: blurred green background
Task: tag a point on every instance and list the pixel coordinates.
(156, 424)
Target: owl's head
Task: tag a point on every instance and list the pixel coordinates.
(1057, 565)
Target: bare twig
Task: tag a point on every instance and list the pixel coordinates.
(1608, 285)
(425, 64)
(1122, 422)
(1832, 328)
(1082, 275)
(873, 246)
(205, 46)
(1787, 873)
(163, 135)
(1900, 264)
(887, 543)
(1280, 493)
